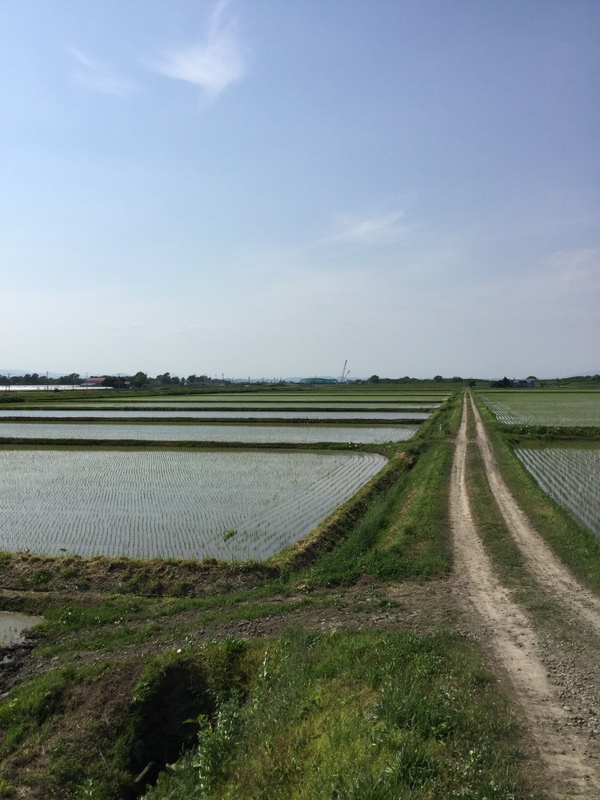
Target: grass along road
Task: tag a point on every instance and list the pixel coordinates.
(568, 754)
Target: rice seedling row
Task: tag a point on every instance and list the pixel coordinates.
(233, 505)
(526, 407)
(571, 477)
(257, 434)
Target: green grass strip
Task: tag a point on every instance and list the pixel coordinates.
(404, 533)
(376, 716)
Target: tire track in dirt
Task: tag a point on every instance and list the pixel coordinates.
(541, 560)
(569, 770)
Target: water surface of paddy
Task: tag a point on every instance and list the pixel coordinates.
(175, 503)
(254, 434)
(130, 413)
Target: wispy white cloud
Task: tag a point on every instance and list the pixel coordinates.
(97, 77)
(579, 267)
(373, 229)
(213, 63)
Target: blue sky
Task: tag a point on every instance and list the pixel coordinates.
(269, 188)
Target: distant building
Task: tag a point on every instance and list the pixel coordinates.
(522, 383)
(318, 380)
(94, 381)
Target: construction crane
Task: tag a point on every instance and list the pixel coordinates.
(344, 373)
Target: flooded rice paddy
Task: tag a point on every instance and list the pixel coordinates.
(232, 505)
(136, 413)
(281, 399)
(529, 407)
(247, 434)
(571, 477)
(246, 405)
(225, 504)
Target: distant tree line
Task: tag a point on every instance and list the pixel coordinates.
(34, 379)
(137, 381)
(406, 379)
(575, 382)
(141, 380)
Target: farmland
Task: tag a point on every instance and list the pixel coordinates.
(232, 506)
(316, 626)
(569, 476)
(339, 398)
(171, 504)
(241, 434)
(244, 407)
(300, 414)
(538, 407)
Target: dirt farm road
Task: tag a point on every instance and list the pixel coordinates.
(554, 683)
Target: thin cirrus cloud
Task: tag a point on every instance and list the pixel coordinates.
(581, 267)
(96, 77)
(212, 64)
(374, 229)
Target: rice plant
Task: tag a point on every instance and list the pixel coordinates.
(524, 407)
(255, 434)
(571, 477)
(147, 504)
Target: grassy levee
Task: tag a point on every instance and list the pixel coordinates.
(578, 547)
(333, 530)
(146, 577)
(550, 433)
(403, 534)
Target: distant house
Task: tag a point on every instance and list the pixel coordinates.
(94, 381)
(522, 383)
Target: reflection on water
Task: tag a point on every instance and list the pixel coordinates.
(13, 626)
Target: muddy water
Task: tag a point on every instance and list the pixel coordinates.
(14, 625)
